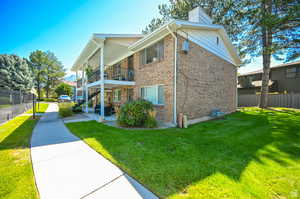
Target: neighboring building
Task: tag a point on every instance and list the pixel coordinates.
(284, 78)
(185, 67)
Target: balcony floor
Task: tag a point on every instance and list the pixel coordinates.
(111, 83)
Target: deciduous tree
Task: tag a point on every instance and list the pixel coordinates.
(63, 89)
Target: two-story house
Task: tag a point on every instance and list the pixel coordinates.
(284, 78)
(187, 67)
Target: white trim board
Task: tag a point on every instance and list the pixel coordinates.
(113, 82)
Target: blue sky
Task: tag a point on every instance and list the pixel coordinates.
(64, 26)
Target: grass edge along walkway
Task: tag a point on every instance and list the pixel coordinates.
(253, 153)
(16, 172)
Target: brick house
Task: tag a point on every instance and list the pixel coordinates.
(284, 78)
(185, 67)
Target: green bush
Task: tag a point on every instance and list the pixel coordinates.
(77, 109)
(150, 122)
(48, 100)
(65, 109)
(136, 114)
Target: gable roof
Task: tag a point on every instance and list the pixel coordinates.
(175, 25)
(118, 43)
(273, 67)
(138, 42)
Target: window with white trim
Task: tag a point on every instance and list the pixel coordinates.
(117, 95)
(152, 53)
(154, 94)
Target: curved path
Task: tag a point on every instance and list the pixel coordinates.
(65, 167)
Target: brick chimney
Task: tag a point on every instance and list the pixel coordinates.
(197, 15)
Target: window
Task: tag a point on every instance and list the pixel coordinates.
(291, 72)
(117, 95)
(129, 94)
(116, 70)
(152, 53)
(130, 71)
(154, 94)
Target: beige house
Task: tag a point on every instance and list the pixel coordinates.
(185, 67)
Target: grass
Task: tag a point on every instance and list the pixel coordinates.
(40, 108)
(5, 106)
(16, 174)
(253, 153)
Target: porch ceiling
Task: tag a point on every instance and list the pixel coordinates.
(111, 84)
(115, 48)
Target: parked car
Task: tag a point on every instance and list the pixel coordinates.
(64, 98)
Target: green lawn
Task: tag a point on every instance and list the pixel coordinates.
(5, 106)
(16, 174)
(253, 153)
(40, 108)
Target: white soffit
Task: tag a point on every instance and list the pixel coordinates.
(115, 45)
(199, 32)
(207, 39)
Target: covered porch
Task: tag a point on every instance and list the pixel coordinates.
(102, 52)
(111, 101)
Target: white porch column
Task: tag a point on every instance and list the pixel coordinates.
(82, 84)
(76, 78)
(85, 89)
(102, 104)
(86, 99)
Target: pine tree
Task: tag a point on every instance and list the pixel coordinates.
(257, 28)
(54, 72)
(15, 73)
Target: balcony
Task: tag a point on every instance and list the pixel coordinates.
(119, 74)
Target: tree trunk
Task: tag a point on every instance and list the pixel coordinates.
(47, 89)
(39, 90)
(267, 43)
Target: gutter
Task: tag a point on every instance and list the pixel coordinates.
(175, 76)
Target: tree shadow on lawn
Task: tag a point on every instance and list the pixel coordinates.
(16, 175)
(17, 134)
(169, 160)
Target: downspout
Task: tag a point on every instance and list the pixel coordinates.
(175, 77)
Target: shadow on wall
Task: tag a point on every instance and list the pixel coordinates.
(169, 160)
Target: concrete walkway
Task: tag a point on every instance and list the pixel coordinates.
(65, 167)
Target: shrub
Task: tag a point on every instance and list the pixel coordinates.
(136, 114)
(150, 122)
(65, 109)
(48, 100)
(77, 109)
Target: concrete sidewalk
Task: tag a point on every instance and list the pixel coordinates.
(65, 167)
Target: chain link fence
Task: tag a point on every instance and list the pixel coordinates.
(13, 103)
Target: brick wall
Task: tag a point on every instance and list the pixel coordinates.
(158, 73)
(204, 82)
